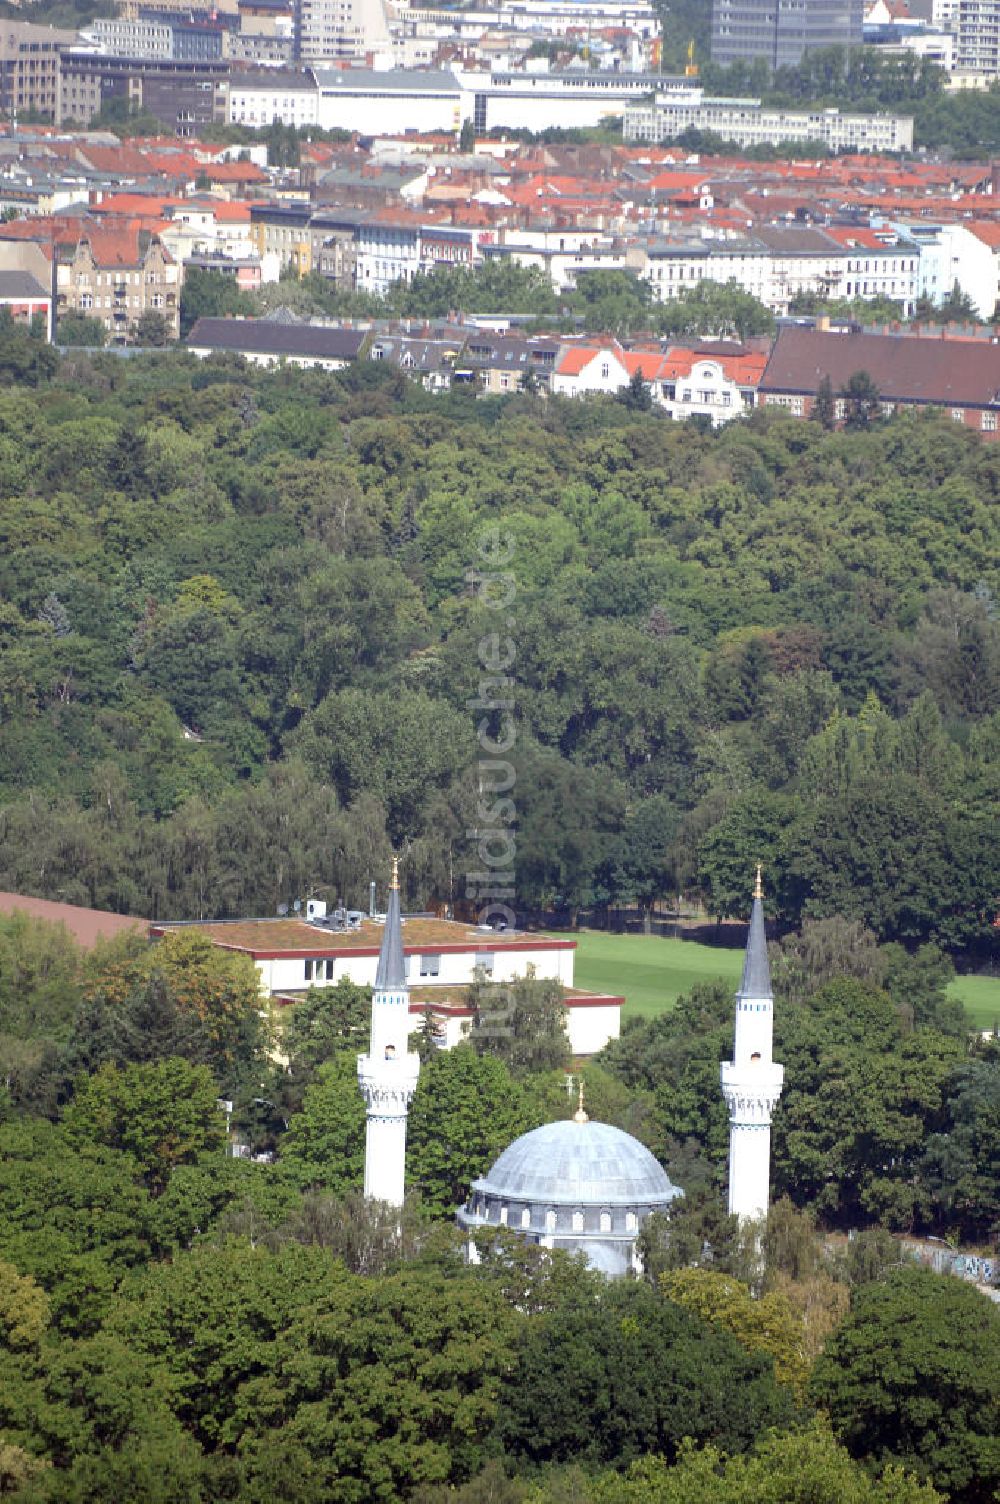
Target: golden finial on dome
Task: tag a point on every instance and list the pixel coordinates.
(758, 887)
(579, 1115)
(394, 885)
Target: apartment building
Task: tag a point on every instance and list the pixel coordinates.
(184, 96)
(117, 275)
(329, 31)
(776, 264)
(782, 31)
(285, 94)
(29, 67)
(959, 377)
(978, 46)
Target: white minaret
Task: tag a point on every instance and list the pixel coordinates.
(752, 1084)
(388, 1073)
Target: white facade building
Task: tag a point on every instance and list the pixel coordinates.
(259, 100)
(719, 385)
(543, 17)
(563, 258)
(441, 959)
(950, 254)
(775, 265)
(747, 123)
(388, 1073)
(122, 37)
(386, 252)
(752, 1082)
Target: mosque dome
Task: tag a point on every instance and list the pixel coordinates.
(582, 1186)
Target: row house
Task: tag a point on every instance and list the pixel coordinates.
(387, 251)
(272, 342)
(445, 356)
(878, 265)
(425, 359)
(776, 264)
(354, 248)
(116, 276)
(26, 282)
(563, 267)
(715, 381)
(956, 376)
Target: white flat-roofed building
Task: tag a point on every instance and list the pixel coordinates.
(546, 17)
(747, 123)
(574, 98)
(123, 37)
(442, 958)
(390, 103)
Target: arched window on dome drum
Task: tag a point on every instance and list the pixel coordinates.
(631, 1222)
(503, 1216)
(550, 1220)
(578, 1221)
(526, 1217)
(605, 1221)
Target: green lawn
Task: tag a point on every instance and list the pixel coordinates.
(981, 996)
(652, 973)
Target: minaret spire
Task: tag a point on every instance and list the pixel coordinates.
(388, 1073)
(752, 1083)
(391, 972)
(756, 981)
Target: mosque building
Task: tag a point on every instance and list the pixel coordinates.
(578, 1185)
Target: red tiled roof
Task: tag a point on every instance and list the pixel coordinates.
(646, 363)
(943, 372)
(988, 233)
(234, 172)
(87, 926)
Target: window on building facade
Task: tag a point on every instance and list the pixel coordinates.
(989, 422)
(958, 413)
(308, 970)
(485, 961)
(430, 966)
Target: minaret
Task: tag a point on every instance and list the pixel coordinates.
(752, 1084)
(388, 1073)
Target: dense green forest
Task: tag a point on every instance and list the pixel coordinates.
(246, 624)
(241, 633)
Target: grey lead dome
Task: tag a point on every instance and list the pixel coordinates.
(570, 1163)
